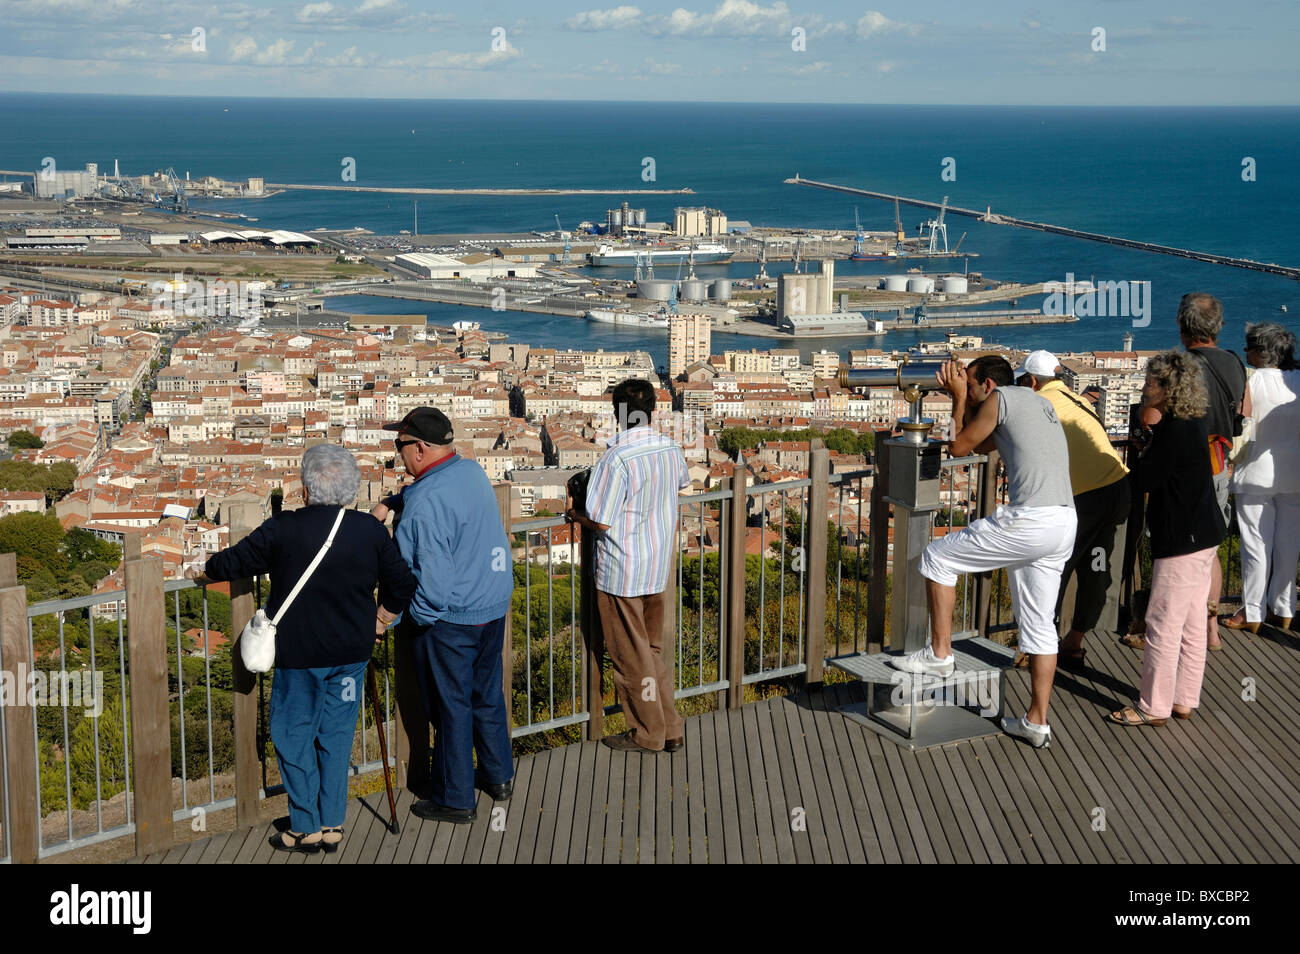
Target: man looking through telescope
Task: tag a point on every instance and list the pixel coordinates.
(1031, 535)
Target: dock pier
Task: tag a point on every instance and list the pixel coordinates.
(993, 218)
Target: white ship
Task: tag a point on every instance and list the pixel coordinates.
(630, 319)
(707, 254)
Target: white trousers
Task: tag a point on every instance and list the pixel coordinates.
(1033, 544)
(1270, 552)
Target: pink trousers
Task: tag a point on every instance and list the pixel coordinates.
(1173, 665)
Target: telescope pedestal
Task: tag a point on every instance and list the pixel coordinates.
(917, 711)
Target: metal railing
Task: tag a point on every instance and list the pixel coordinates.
(84, 764)
(769, 581)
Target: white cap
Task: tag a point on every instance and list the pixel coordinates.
(1041, 364)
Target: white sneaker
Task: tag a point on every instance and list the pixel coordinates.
(1039, 736)
(924, 661)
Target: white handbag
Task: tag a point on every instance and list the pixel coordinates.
(257, 641)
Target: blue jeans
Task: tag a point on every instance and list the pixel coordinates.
(313, 722)
(459, 669)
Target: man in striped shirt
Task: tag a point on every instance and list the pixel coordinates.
(632, 506)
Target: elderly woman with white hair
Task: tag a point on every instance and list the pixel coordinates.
(1266, 482)
(1186, 530)
(326, 636)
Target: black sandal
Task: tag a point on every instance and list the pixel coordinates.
(305, 847)
(331, 846)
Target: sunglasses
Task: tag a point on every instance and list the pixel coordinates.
(400, 444)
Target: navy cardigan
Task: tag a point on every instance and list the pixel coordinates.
(1182, 512)
(332, 621)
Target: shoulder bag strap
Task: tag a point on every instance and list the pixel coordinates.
(320, 555)
(1091, 412)
(1224, 388)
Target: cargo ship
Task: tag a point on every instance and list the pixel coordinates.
(657, 320)
(629, 256)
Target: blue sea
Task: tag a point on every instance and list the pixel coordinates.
(1166, 175)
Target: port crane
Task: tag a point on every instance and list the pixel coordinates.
(762, 275)
(568, 241)
(936, 227)
(858, 236)
(898, 229)
(179, 201)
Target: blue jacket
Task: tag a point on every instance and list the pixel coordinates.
(450, 533)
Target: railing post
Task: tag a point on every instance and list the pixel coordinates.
(411, 729)
(23, 837)
(243, 519)
(671, 598)
(819, 495)
(151, 737)
(507, 645)
(985, 505)
(593, 640)
(735, 536)
(878, 544)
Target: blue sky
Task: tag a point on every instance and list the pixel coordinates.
(1156, 52)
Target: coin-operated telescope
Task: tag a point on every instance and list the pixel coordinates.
(911, 462)
(900, 706)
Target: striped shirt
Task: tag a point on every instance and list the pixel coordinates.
(633, 491)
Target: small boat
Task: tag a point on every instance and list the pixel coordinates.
(632, 319)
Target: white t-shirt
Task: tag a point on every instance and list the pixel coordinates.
(1271, 464)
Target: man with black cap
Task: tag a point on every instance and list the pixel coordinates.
(452, 536)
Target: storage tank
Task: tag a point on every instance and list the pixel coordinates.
(894, 283)
(720, 290)
(953, 284)
(654, 289)
(919, 283)
(695, 289)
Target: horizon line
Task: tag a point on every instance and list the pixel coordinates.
(665, 102)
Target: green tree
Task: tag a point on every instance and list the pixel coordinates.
(19, 440)
(104, 733)
(38, 536)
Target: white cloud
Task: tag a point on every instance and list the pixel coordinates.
(874, 22)
(730, 18)
(613, 19)
(313, 11)
(664, 69)
(277, 53)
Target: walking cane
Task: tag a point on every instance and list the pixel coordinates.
(373, 688)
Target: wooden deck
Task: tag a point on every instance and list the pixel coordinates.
(792, 780)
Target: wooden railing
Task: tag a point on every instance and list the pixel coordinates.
(830, 609)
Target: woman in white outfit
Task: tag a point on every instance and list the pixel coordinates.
(1266, 482)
